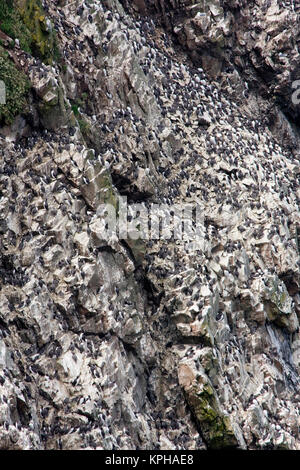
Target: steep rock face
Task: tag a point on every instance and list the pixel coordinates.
(258, 40)
(127, 344)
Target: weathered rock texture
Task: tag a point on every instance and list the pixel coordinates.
(153, 345)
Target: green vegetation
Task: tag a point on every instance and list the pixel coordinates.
(25, 20)
(216, 428)
(17, 86)
(84, 126)
(75, 110)
(44, 43)
(83, 123)
(79, 103)
(11, 24)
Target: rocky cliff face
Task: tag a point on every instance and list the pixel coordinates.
(136, 344)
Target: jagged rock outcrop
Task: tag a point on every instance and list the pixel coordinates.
(160, 343)
(249, 45)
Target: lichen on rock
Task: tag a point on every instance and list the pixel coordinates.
(279, 305)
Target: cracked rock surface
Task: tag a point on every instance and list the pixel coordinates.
(158, 344)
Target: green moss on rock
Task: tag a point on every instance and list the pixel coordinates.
(11, 23)
(215, 427)
(17, 86)
(108, 195)
(26, 21)
(52, 107)
(43, 39)
(84, 126)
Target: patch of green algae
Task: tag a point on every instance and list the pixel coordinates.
(215, 427)
(43, 39)
(26, 21)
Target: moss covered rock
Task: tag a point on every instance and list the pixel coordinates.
(43, 39)
(98, 188)
(279, 306)
(214, 425)
(11, 23)
(52, 109)
(26, 21)
(17, 86)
